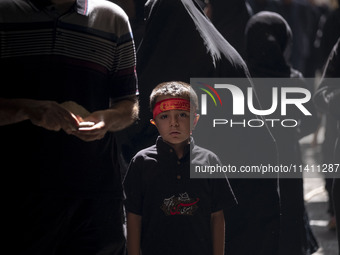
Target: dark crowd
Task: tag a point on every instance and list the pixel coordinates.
(98, 125)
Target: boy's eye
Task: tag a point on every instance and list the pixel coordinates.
(183, 114)
(163, 116)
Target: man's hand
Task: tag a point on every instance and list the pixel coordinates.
(93, 127)
(52, 116)
(97, 124)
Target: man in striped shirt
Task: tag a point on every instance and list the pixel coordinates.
(68, 82)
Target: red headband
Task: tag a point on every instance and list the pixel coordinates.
(171, 104)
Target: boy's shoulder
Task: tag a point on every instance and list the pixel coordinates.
(199, 152)
(153, 151)
(199, 149)
(146, 153)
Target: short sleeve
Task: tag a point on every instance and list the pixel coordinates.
(123, 76)
(223, 197)
(133, 187)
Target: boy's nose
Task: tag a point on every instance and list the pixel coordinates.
(174, 121)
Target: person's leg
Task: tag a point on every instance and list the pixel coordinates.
(96, 228)
(41, 223)
(329, 189)
(336, 200)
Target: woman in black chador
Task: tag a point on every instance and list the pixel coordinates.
(230, 17)
(327, 100)
(268, 41)
(181, 43)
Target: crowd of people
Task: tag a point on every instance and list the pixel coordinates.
(79, 149)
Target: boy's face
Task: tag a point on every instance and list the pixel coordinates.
(173, 125)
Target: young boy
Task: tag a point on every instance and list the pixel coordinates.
(167, 212)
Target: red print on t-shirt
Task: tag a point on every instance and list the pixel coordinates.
(180, 205)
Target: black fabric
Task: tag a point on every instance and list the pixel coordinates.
(175, 210)
(268, 40)
(178, 49)
(327, 95)
(64, 226)
(64, 194)
(230, 17)
(327, 99)
(330, 35)
(180, 43)
(336, 201)
(62, 164)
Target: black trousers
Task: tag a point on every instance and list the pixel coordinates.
(52, 225)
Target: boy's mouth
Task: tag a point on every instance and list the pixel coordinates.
(175, 133)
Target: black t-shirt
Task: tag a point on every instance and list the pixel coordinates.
(175, 209)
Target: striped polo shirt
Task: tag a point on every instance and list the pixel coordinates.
(94, 36)
(85, 55)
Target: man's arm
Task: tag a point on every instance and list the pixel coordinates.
(13, 111)
(47, 114)
(217, 232)
(121, 114)
(134, 226)
(125, 113)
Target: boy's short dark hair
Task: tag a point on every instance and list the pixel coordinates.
(175, 89)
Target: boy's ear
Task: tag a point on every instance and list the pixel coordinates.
(196, 118)
(152, 121)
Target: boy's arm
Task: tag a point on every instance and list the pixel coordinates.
(217, 232)
(134, 223)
